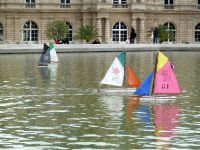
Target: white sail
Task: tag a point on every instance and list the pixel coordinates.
(53, 54)
(115, 74)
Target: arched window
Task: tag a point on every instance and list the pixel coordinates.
(70, 33)
(197, 33)
(30, 32)
(119, 32)
(171, 29)
(1, 32)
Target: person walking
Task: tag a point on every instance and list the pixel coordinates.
(132, 36)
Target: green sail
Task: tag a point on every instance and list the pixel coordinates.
(122, 58)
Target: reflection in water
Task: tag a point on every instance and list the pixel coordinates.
(131, 105)
(58, 107)
(43, 72)
(144, 113)
(114, 106)
(165, 120)
(52, 67)
(141, 113)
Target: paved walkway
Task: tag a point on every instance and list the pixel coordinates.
(77, 48)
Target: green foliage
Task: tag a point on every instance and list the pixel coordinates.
(86, 33)
(165, 34)
(56, 30)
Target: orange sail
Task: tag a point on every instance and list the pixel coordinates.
(132, 78)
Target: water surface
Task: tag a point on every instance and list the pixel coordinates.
(59, 107)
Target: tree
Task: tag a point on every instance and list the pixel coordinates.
(164, 34)
(86, 33)
(56, 30)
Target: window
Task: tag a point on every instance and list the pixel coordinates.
(198, 4)
(120, 3)
(119, 32)
(69, 34)
(197, 33)
(168, 4)
(30, 32)
(30, 4)
(65, 4)
(171, 29)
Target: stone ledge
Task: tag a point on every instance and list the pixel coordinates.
(74, 48)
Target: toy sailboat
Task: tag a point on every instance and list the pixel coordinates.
(164, 81)
(115, 76)
(48, 55)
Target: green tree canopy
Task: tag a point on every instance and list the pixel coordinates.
(56, 30)
(87, 33)
(165, 34)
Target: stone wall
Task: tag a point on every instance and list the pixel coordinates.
(141, 15)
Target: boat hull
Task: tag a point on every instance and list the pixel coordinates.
(116, 90)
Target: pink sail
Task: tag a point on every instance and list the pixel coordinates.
(165, 81)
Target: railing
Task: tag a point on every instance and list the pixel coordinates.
(30, 5)
(65, 6)
(120, 5)
(169, 6)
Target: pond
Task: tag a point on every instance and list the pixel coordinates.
(58, 107)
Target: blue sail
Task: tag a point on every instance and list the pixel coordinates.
(144, 88)
(43, 60)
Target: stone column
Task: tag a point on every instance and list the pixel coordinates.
(18, 30)
(107, 31)
(133, 22)
(99, 28)
(134, 25)
(10, 29)
(142, 31)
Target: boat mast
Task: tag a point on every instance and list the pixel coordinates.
(125, 70)
(154, 75)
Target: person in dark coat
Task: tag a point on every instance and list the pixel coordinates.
(132, 36)
(65, 41)
(155, 34)
(96, 41)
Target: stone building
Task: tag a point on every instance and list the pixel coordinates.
(24, 21)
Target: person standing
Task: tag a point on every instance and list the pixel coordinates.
(132, 36)
(155, 34)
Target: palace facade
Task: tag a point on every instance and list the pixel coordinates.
(24, 21)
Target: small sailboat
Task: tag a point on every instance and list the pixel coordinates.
(48, 55)
(53, 54)
(164, 81)
(115, 76)
(45, 56)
